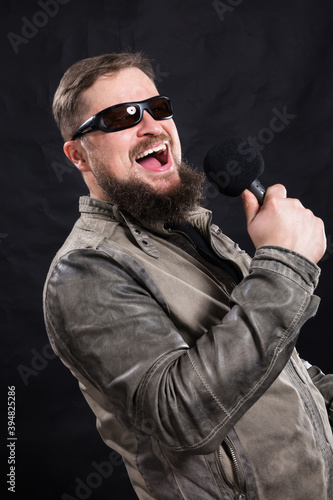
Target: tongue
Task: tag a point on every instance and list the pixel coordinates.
(150, 163)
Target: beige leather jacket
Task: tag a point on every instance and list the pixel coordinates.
(194, 381)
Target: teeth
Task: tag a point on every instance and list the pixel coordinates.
(158, 149)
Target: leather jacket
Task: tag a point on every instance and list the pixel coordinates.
(194, 380)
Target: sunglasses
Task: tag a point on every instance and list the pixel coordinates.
(126, 115)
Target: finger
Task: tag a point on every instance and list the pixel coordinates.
(277, 190)
(251, 205)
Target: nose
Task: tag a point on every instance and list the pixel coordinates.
(148, 125)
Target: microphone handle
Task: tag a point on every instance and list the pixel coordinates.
(258, 190)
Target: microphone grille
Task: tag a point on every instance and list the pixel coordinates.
(233, 165)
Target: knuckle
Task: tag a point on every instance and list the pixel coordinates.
(295, 203)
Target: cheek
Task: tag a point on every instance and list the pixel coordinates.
(176, 140)
(114, 154)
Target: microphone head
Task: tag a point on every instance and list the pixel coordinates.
(233, 165)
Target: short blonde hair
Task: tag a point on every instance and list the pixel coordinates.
(68, 105)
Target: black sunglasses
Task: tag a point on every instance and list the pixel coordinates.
(126, 115)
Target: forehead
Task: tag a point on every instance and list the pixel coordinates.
(128, 85)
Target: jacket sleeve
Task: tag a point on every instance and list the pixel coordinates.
(106, 317)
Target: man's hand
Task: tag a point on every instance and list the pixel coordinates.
(284, 222)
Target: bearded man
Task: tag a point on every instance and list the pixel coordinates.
(183, 345)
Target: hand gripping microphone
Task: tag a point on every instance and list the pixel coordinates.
(234, 165)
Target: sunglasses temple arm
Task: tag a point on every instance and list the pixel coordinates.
(84, 128)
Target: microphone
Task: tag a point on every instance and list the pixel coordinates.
(234, 165)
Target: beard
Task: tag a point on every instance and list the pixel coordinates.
(150, 205)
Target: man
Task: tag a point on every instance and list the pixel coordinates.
(183, 346)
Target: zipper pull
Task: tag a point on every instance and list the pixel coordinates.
(240, 496)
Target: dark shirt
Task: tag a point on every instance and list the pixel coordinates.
(205, 250)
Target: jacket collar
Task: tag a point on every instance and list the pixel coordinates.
(200, 218)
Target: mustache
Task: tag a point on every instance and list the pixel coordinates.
(148, 143)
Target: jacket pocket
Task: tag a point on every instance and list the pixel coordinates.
(230, 468)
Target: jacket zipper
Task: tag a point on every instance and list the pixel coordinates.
(231, 453)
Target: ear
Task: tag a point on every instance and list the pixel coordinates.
(77, 154)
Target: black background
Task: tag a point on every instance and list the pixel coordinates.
(229, 68)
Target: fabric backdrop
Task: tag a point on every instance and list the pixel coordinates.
(252, 68)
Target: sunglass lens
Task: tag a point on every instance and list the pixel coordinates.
(121, 117)
(160, 107)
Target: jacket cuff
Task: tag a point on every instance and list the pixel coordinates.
(288, 263)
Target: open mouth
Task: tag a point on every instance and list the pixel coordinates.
(156, 159)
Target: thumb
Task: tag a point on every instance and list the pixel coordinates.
(251, 205)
